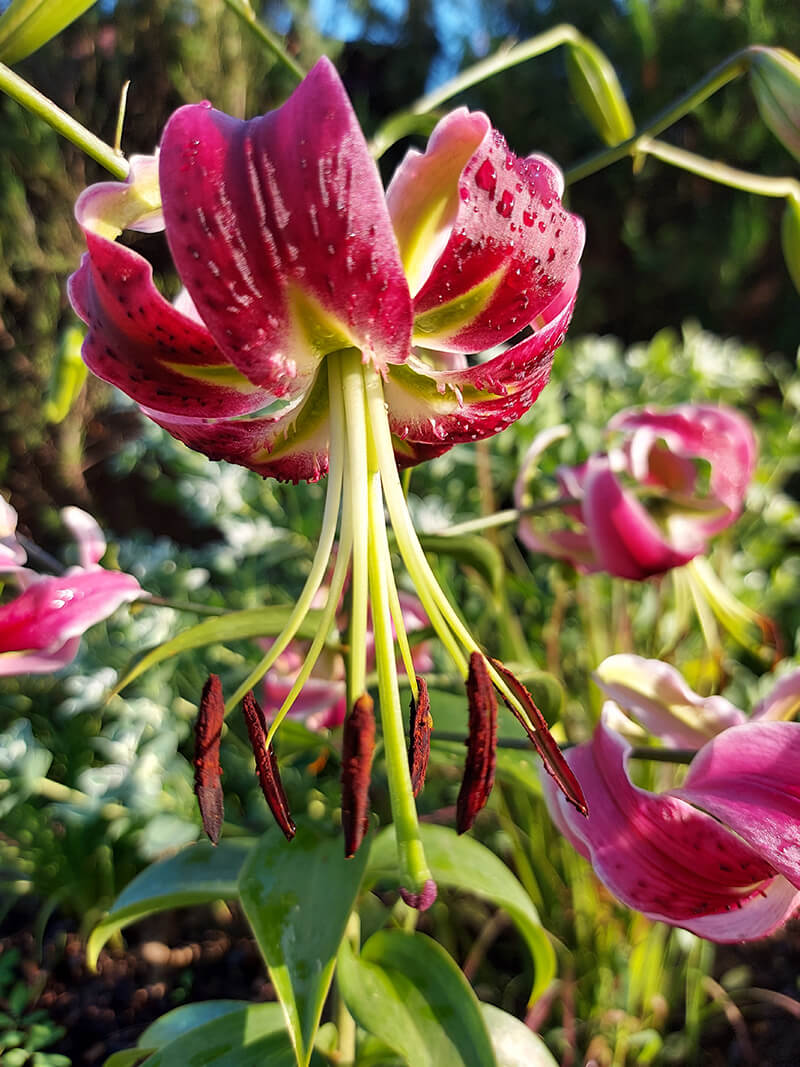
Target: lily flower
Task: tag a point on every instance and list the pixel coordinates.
(718, 854)
(646, 505)
(40, 630)
(323, 328)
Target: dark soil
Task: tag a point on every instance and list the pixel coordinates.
(203, 953)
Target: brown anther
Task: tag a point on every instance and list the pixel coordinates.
(207, 771)
(481, 744)
(358, 746)
(535, 726)
(419, 742)
(267, 765)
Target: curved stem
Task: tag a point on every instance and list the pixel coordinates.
(726, 72)
(330, 519)
(24, 93)
(720, 172)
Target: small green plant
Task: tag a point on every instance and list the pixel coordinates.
(24, 1033)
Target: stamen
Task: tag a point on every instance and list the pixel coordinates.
(267, 765)
(358, 746)
(419, 746)
(207, 771)
(535, 726)
(481, 744)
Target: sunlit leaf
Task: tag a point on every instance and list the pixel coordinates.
(199, 874)
(514, 1044)
(406, 990)
(460, 862)
(596, 88)
(26, 25)
(188, 1017)
(472, 551)
(298, 897)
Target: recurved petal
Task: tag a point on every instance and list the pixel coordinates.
(291, 445)
(138, 341)
(747, 776)
(85, 530)
(108, 208)
(52, 610)
(12, 554)
(783, 701)
(660, 699)
(719, 435)
(428, 407)
(626, 540)
(662, 856)
(279, 230)
(12, 663)
(511, 250)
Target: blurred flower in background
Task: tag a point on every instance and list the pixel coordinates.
(670, 481)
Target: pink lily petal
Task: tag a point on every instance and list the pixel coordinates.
(12, 554)
(12, 663)
(108, 208)
(748, 778)
(85, 530)
(659, 698)
(428, 407)
(52, 610)
(718, 434)
(511, 249)
(663, 857)
(782, 703)
(291, 445)
(139, 342)
(279, 230)
(626, 541)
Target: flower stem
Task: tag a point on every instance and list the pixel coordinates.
(330, 520)
(720, 172)
(730, 69)
(24, 93)
(415, 873)
(246, 13)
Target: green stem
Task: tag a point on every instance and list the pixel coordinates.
(730, 69)
(415, 873)
(356, 508)
(720, 172)
(51, 790)
(244, 11)
(506, 517)
(330, 519)
(24, 93)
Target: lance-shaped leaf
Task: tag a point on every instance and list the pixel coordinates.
(26, 25)
(199, 874)
(297, 897)
(463, 863)
(514, 1044)
(596, 87)
(406, 990)
(775, 76)
(790, 238)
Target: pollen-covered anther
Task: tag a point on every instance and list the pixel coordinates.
(267, 765)
(419, 744)
(481, 744)
(535, 726)
(358, 746)
(207, 771)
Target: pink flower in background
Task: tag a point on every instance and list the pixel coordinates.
(322, 703)
(646, 505)
(40, 629)
(720, 854)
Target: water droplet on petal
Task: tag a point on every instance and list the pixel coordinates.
(505, 205)
(486, 178)
(528, 217)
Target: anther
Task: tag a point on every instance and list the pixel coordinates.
(358, 746)
(207, 738)
(267, 765)
(481, 744)
(419, 744)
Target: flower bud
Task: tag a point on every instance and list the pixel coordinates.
(775, 77)
(596, 88)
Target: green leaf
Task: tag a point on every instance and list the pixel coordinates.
(790, 239)
(234, 626)
(26, 25)
(298, 896)
(596, 88)
(187, 1017)
(471, 550)
(196, 875)
(407, 991)
(514, 1044)
(244, 1038)
(775, 78)
(68, 375)
(461, 862)
(128, 1057)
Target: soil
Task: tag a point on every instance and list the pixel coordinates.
(203, 953)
